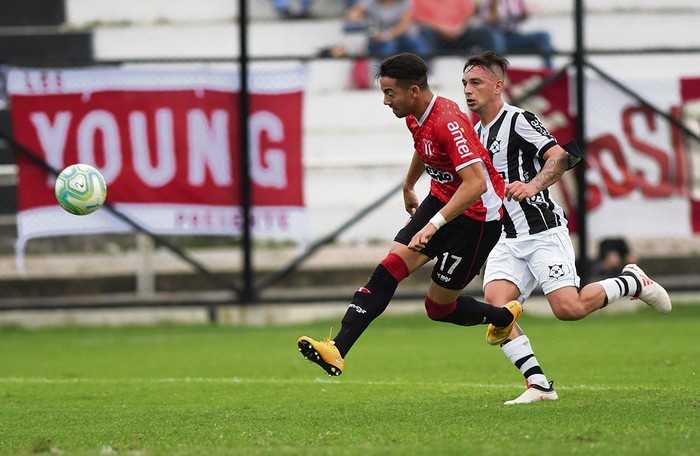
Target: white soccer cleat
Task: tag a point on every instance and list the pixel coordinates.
(535, 393)
(652, 294)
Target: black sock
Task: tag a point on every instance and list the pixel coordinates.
(470, 312)
(367, 304)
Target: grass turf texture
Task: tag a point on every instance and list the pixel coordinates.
(628, 384)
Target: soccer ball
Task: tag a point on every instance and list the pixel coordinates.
(80, 189)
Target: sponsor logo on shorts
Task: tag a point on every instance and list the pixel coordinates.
(444, 278)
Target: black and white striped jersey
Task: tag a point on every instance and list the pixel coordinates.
(516, 141)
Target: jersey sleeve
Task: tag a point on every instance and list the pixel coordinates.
(531, 129)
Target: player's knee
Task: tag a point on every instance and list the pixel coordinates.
(396, 266)
(437, 311)
(495, 300)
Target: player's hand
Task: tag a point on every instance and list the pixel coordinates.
(422, 237)
(519, 191)
(410, 201)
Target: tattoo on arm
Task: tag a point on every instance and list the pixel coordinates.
(551, 172)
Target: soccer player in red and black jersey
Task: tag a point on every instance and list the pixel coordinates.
(458, 223)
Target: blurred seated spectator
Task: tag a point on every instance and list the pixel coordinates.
(453, 27)
(284, 9)
(613, 255)
(389, 27)
(505, 18)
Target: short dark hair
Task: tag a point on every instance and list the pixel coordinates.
(488, 60)
(407, 68)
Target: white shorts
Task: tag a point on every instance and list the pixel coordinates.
(547, 259)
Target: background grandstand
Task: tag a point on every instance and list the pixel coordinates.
(353, 152)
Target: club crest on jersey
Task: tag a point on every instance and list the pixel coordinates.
(556, 271)
(428, 147)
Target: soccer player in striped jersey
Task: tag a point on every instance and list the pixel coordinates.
(535, 246)
(459, 222)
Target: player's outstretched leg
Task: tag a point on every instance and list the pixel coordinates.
(495, 335)
(324, 353)
(651, 293)
(520, 353)
(535, 393)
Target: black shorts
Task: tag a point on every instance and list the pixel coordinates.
(461, 246)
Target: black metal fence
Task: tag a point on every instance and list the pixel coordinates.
(355, 155)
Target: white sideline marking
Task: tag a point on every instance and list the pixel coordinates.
(240, 380)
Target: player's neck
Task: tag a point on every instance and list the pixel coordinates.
(422, 103)
(490, 112)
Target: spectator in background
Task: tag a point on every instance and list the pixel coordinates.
(453, 27)
(389, 26)
(614, 254)
(283, 8)
(505, 18)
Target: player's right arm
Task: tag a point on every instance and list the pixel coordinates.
(415, 171)
(556, 159)
(555, 165)
(469, 191)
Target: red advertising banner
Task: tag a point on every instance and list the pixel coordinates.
(690, 112)
(552, 104)
(167, 143)
(636, 162)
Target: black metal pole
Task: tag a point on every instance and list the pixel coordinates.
(247, 292)
(581, 200)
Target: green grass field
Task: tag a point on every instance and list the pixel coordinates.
(628, 384)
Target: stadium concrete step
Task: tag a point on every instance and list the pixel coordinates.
(332, 273)
(17, 13)
(32, 34)
(45, 48)
(86, 13)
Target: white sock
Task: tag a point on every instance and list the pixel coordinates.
(619, 286)
(520, 353)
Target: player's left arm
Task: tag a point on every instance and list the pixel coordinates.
(555, 165)
(415, 171)
(469, 191)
